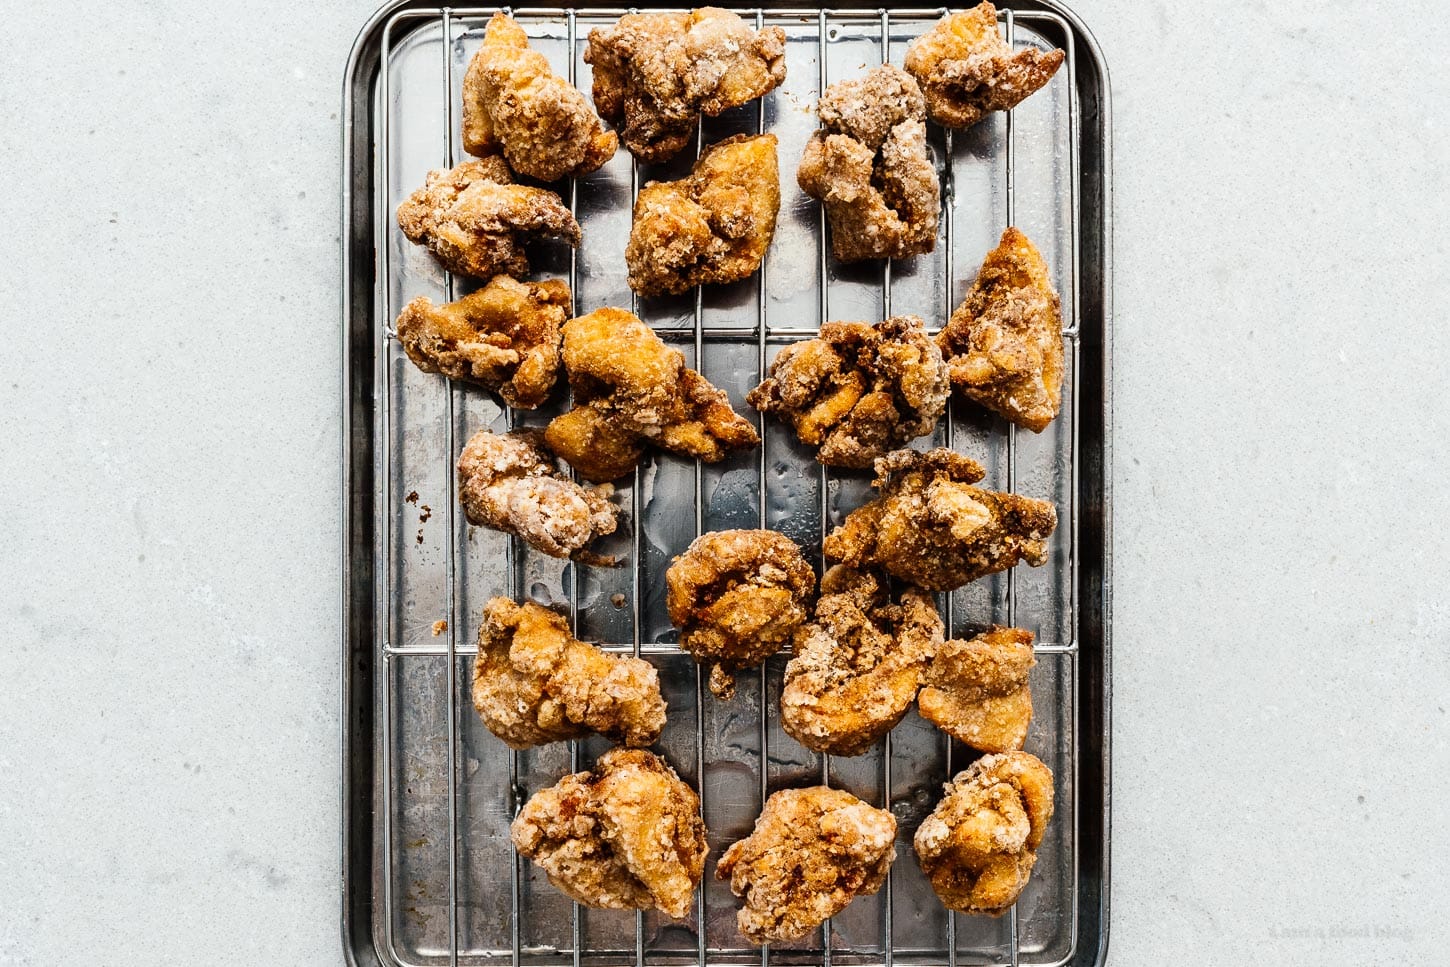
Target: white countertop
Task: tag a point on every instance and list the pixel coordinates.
(169, 767)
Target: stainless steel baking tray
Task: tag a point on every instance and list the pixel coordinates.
(429, 876)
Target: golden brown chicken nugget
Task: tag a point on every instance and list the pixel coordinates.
(967, 70)
(737, 597)
(979, 845)
(811, 853)
(656, 73)
(624, 835)
(711, 227)
(505, 337)
(978, 691)
(1003, 344)
(930, 527)
(534, 682)
(513, 102)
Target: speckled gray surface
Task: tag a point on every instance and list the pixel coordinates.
(168, 716)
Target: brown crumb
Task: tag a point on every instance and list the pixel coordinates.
(426, 516)
(618, 600)
(420, 535)
(412, 497)
(439, 626)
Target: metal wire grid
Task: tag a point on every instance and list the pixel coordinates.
(762, 334)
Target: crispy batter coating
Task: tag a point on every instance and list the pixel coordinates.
(504, 337)
(656, 73)
(967, 70)
(737, 597)
(514, 102)
(858, 390)
(629, 389)
(930, 527)
(511, 483)
(858, 665)
(977, 691)
(476, 221)
(979, 846)
(534, 682)
(1004, 342)
(625, 835)
(869, 166)
(811, 853)
(711, 227)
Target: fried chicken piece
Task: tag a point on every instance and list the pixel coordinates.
(534, 682)
(476, 221)
(511, 483)
(858, 390)
(625, 835)
(514, 102)
(869, 166)
(631, 389)
(737, 597)
(504, 337)
(656, 73)
(811, 853)
(967, 70)
(711, 227)
(977, 691)
(979, 845)
(929, 527)
(1004, 342)
(858, 665)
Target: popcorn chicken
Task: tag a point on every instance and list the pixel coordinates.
(811, 853)
(979, 845)
(514, 103)
(931, 528)
(1003, 344)
(631, 389)
(711, 227)
(504, 337)
(858, 665)
(967, 70)
(858, 390)
(624, 835)
(978, 691)
(511, 483)
(737, 596)
(656, 73)
(869, 166)
(534, 682)
(476, 221)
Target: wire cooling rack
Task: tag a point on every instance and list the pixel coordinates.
(430, 876)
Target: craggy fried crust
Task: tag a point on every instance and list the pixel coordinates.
(513, 102)
(712, 227)
(869, 166)
(476, 221)
(504, 337)
(811, 853)
(858, 665)
(1004, 342)
(633, 388)
(625, 835)
(967, 70)
(656, 73)
(979, 846)
(737, 597)
(977, 691)
(858, 390)
(534, 682)
(929, 527)
(511, 483)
